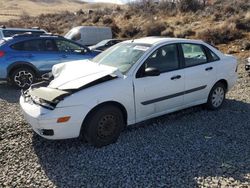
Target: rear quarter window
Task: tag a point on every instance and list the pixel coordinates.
(213, 56)
(18, 46)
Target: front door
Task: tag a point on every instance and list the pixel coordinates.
(156, 95)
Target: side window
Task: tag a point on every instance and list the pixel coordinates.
(67, 46)
(18, 46)
(193, 54)
(50, 45)
(76, 36)
(164, 59)
(214, 57)
(31, 45)
(110, 43)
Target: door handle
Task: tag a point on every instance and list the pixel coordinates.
(209, 69)
(176, 77)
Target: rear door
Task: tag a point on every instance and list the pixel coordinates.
(200, 73)
(156, 95)
(42, 53)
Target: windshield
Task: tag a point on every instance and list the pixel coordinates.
(73, 34)
(122, 56)
(102, 43)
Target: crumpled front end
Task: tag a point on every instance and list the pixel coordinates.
(40, 111)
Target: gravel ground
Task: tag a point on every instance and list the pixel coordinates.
(190, 148)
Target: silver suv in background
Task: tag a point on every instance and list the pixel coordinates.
(6, 32)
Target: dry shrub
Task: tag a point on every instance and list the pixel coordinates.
(246, 45)
(229, 9)
(243, 23)
(154, 29)
(184, 33)
(107, 20)
(168, 32)
(144, 6)
(127, 16)
(130, 31)
(220, 35)
(96, 19)
(189, 5)
(115, 30)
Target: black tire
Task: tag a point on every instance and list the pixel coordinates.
(214, 101)
(22, 77)
(104, 125)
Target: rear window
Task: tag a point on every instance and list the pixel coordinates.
(10, 33)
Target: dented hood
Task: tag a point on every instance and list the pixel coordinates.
(76, 74)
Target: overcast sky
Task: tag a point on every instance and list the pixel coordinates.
(110, 1)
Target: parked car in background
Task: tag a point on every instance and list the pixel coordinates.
(105, 44)
(6, 32)
(128, 83)
(24, 58)
(247, 66)
(89, 35)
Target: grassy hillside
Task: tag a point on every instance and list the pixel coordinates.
(225, 23)
(12, 9)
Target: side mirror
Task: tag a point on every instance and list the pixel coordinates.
(152, 71)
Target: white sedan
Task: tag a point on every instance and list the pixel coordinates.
(131, 82)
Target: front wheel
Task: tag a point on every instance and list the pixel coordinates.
(104, 126)
(216, 96)
(22, 77)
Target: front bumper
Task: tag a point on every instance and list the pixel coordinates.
(44, 121)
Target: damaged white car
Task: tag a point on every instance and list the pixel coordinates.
(131, 82)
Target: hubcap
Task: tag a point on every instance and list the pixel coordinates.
(106, 126)
(23, 78)
(218, 97)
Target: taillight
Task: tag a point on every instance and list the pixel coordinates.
(2, 53)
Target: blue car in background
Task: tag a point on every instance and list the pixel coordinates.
(25, 58)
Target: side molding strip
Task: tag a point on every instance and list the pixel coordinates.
(173, 95)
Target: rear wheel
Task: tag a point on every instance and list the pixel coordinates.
(216, 96)
(104, 126)
(22, 77)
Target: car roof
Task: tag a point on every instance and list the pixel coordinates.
(90, 27)
(20, 29)
(20, 38)
(158, 40)
(30, 36)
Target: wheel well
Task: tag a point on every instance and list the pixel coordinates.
(118, 105)
(12, 69)
(224, 82)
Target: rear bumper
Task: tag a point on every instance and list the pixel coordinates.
(44, 121)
